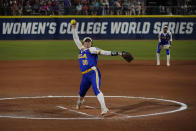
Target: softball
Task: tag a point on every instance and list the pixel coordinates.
(73, 22)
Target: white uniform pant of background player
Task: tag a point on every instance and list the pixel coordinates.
(166, 47)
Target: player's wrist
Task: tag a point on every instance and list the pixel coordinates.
(73, 26)
(114, 53)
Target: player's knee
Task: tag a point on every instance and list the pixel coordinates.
(82, 94)
(97, 93)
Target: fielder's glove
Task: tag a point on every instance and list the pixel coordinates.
(166, 47)
(127, 56)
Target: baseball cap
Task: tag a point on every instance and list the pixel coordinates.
(165, 27)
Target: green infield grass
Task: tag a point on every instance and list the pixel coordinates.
(67, 50)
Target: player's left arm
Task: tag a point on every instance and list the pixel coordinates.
(99, 51)
(126, 55)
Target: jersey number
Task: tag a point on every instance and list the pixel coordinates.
(85, 62)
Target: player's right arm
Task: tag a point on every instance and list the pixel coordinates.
(170, 40)
(159, 37)
(76, 37)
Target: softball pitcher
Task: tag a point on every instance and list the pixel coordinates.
(88, 57)
(165, 40)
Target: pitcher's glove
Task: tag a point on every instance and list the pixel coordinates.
(127, 56)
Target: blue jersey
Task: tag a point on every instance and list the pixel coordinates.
(87, 58)
(164, 38)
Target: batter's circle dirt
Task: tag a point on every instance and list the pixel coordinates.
(62, 78)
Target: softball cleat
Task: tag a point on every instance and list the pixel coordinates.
(79, 103)
(104, 111)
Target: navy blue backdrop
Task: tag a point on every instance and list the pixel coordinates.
(97, 28)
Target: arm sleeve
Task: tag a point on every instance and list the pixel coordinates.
(103, 52)
(159, 36)
(76, 38)
(98, 51)
(170, 37)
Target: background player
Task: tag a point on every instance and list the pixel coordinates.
(88, 58)
(165, 40)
